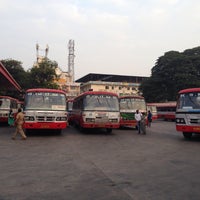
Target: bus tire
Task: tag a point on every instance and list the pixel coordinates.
(58, 131)
(187, 135)
(109, 130)
(81, 129)
(28, 131)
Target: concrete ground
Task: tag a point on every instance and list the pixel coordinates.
(99, 166)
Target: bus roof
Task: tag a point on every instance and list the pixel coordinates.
(164, 104)
(70, 100)
(96, 93)
(8, 97)
(131, 97)
(189, 90)
(45, 90)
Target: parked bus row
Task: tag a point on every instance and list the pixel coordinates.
(106, 110)
(47, 109)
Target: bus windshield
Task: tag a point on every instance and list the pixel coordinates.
(189, 101)
(45, 101)
(4, 103)
(132, 104)
(101, 102)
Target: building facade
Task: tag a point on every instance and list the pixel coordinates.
(119, 84)
(119, 88)
(72, 89)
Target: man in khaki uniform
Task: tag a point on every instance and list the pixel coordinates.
(19, 122)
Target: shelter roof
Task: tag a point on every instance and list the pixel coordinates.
(7, 81)
(111, 78)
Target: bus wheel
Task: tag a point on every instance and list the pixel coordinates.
(81, 129)
(28, 131)
(109, 130)
(187, 135)
(58, 131)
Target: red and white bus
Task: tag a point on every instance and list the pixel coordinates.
(6, 104)
(188, 112)
(166, 110)
(153, 109)
(96, 109)
(128, 107)
(45, 109)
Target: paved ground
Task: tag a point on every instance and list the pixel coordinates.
(97, 166)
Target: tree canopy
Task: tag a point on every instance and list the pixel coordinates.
(42, 75)
(172, 72)
(15, 68)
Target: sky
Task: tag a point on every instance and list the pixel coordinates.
(122, 37)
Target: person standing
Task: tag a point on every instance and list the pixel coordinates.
(149, 118)
(143, 124)
(138, 117)
(19, 122)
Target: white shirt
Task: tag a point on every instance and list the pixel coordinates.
(138, 116)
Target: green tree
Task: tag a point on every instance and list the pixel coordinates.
(15, 68)
(172, 72)
(44, 74)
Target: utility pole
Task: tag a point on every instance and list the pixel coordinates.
(71, 60)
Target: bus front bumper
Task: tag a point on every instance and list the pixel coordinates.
(44, 125)
(93, 125)
(131, 123)
(189, 129)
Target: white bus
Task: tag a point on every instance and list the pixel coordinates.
(45, 109)
(7, 103)
(96, 110)
(188, 112)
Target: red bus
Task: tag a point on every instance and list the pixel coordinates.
(166, 110)
(128, 107)
(94, 109)
(45, 109)
(7, 103)
(188, 112)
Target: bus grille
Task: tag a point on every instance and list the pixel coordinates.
(45, 118)
(127, 116)
(101, 119)
(195, 121)
(3, 115)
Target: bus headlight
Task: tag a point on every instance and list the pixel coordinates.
(180, 120)
(29, 118)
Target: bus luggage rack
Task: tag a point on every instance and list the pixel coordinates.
(45, 118)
